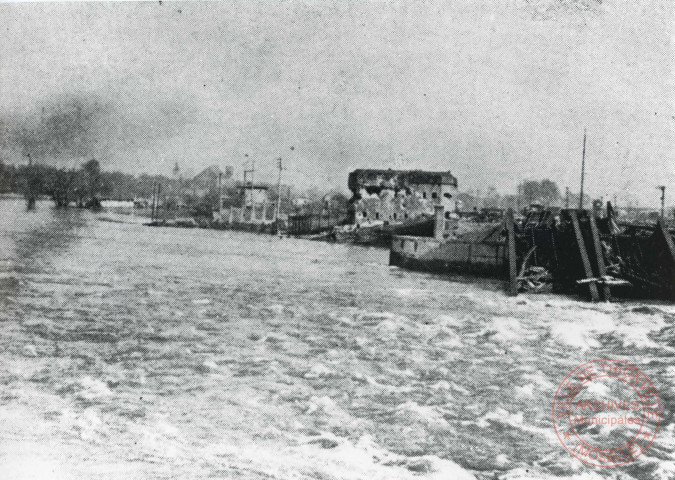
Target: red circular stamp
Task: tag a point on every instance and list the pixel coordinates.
(606, 413)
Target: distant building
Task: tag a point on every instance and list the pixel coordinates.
(393, 196)
(253, 194)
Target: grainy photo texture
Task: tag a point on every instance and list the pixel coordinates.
(338, 240)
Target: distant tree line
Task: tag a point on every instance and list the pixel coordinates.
(83, 187)
(545, 192)
(89, 184)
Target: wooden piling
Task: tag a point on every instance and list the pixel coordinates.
(511, 245)
(599, 257)
(592, 286)
(439, 221)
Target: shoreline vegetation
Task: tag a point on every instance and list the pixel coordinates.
(90, 185)
(82, 187)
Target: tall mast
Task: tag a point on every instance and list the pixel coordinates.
(279, 192)
(583, 168)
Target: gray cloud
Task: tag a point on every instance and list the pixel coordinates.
(496, 91)
(69, 126)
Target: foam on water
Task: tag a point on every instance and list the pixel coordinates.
(210, 354)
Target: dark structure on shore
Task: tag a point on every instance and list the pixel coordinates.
(396, 195)
(571, 251)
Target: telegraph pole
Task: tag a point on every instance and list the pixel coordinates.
(279, 192)
(663, 200)
(220, 193)
(583, 168)
(252, 179)
(251, 171)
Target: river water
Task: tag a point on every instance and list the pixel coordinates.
(129, 352)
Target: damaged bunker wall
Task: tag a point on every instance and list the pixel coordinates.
(398, 195)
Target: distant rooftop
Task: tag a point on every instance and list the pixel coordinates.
(209, 173)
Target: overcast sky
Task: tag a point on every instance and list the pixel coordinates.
(495, 91)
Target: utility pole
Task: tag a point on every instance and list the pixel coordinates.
(154, 197)
(252, 172)
(220, 193)
(663, 200)
(279, 193)
(583, 168)
(252, 180)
